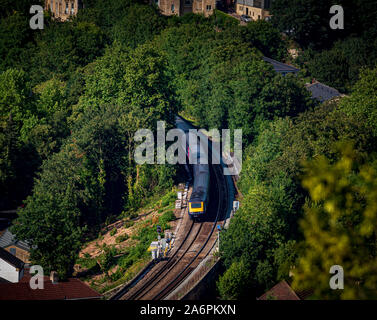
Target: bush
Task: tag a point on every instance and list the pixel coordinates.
(107, 258)
(128, 224)
(122, 238)
(113, 232)
(168, 198)
(87, 262)
(166, 217)
(223, 20)
(232, 283)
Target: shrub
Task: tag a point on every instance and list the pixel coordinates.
(113, 232)
(128, 224)
(167, 217)
(122, 238)
(231, 284)
(168, 198)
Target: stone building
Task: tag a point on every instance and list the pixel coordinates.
(180, 7)
(63, 9)
(255, 9)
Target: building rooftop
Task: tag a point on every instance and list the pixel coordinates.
(322, 92)
(72, 289)
(281, 67)
(7, 238)
(281, 291)
(11, 259)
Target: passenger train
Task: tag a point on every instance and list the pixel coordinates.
(199, 199)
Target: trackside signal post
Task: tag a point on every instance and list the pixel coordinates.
(159, 233)
(160, 248)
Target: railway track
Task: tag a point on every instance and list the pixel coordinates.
(206, 247)
(198, 242)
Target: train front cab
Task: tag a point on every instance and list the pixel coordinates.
(197, 210)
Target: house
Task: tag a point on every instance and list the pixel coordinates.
(283, 291)
(18, 248)
(322, 92)
(72, 289)
(11, 268)
(255, 9)
(318, 90)
(63, 9)
(281, 67)
(180, 7)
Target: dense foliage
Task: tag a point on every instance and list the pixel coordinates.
(340, 226)
(73, 95)
(265, 236)
(334, 57)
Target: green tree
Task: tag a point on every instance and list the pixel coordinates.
(47, 128)
(140, 24)
(339, 226)
(63, 47)
(340, 66)
(18, 159)
(15, 39)
(265, 231)
(307, 21)
(50, 221)
(362, 104)
(15, 95)
(232, 285)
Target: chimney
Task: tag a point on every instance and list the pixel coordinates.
(54, 277)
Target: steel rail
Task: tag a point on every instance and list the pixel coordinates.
(178, 279)
(124, 291)
(153, 282)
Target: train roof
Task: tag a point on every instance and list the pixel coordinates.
(201, 182)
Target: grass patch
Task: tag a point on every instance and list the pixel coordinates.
(87, 263)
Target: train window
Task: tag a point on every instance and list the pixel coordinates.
(196, 205)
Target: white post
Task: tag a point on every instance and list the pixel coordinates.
(218, 237)
(218, 241)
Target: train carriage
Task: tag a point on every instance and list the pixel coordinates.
(198, 202)
(200, 192)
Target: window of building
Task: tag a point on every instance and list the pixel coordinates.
(73, 8)
(258, 16)
(56, 8)
(13, 251)
(209, 7)
(51, 5)
(258, 3)
(172, 8)
(66, 8)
